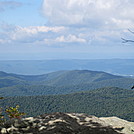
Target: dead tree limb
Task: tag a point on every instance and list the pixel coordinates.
(127, 40)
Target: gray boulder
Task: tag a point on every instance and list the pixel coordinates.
(65, 123)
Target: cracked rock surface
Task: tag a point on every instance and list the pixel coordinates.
(67, 123)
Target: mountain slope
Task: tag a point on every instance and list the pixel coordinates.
(60, 78)
(76, 77)
(61, 82)
(100, 102)
(7, 80)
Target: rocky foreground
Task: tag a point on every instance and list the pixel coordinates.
(68, 123)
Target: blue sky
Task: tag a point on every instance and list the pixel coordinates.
(66, 29)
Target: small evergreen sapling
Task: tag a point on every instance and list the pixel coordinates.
(13, 112)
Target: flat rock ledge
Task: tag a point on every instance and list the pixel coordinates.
(67, 123)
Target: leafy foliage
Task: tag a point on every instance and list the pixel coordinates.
(100, 102)
(12, 113)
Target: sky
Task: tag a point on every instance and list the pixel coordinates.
(66, 29)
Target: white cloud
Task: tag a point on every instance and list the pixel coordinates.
(36, 29)
(56, 36)
(70, 39)
(125, 23)
(32, 34)
(92, 13)
(95, 22)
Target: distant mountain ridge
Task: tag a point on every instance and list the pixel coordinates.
(87, 75)
(34, 67)
(61, 82)
(76, 77)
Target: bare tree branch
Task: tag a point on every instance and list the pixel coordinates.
(130, 31)
(127, 40)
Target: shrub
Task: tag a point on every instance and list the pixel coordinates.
(11, 112)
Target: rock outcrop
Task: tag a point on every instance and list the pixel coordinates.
(67, 123)
(119, 124)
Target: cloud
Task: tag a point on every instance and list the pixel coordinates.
(93, 22)
(70, 39)
(9, 4)
(91, 13)
(32, 34)
(56, 35)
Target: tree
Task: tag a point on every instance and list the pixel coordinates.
(12, 113)
(127, 40)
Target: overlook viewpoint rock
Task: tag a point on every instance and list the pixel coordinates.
(68, 123)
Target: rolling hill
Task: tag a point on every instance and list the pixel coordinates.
(76, 77)
(62, 78)
(61, 82)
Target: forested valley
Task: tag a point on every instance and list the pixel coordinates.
(80, 91)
